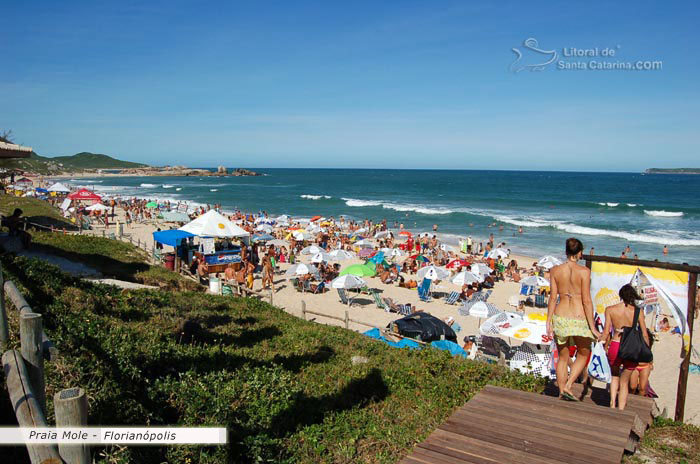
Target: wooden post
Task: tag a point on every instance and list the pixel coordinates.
(303, 309)
(103, 233)
(25, 224)
(138, 242)
(683, 376)
(347, 320)
(71, 408)
(50, 351)
(32, 352)
(131, 239)
(27, 409)
(4, 332)
(271, 293)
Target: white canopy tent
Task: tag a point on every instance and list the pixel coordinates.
(59, 187)
(213, 224)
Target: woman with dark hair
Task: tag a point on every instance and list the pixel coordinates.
(570, 316)
(617, 317)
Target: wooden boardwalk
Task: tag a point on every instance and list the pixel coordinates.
(500, 425)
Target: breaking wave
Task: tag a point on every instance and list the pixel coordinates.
(315, 197)
(662, 213)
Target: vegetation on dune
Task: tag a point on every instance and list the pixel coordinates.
(286, 389)
(37, 211)
(669, 441)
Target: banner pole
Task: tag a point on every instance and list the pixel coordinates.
(683, 376)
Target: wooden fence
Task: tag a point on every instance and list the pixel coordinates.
(24, 374)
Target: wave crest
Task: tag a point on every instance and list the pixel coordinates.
(662, 213)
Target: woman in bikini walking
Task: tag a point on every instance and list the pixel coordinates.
(617, 317)
(570, 316)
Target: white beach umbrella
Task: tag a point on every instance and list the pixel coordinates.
(498, 253)
(526, 331)
(301, 235)
(320, 257)
(301, 269)
(548, 262)
(213, 224)
(312, 250)
(383, 234)
(432, 273)
(481, 309)
(282, 218)
(535, 281)
(264, 228)
(97, 207)
(480, 269)
(58, 187)
(500, 321)
(348, 281)
(278, 243)
(466, 277)
(340, 255)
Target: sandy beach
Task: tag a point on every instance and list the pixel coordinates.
(664, 377)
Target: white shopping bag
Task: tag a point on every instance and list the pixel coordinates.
(598, 367)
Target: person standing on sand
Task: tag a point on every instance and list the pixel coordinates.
(665, 250)
(617, 317)
(570, 316)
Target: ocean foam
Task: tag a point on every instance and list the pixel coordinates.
(213, 190)
(315, 197)
(148, 185)
(662, 213)
(421, 209)
(168, 186)
(361, 203)
(178, 189)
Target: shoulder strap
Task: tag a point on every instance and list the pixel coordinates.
(635, 322)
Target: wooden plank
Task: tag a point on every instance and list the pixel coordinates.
(455, 443)
(685, 365)
(642, 263)
(566, 452)
(433, 457)
(553, 428)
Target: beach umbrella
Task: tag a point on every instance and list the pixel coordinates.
(151, 204)
(548, 262)
(301, 269)
(348, 281)
(340, 255)
(41, 190)
(97, 207)
(406, 233)
(383, 234)
(482, 309)
(213, 224)
(535, 281)
(320, 257)
(282, 218)
(432, 273)
(420, 258)
(481, 269)
(364, 244)
(527, 331)
(278, 243)
(457, 263)
(30, 193)
(59, 187)
(312, 250)
(264, 228)
(301, 235)
(365, 253)
(500, 321)
(378, 257)
(360, 270)
(262, 237)
(498, 253)
(465, 277)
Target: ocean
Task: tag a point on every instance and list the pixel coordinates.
(607, 211)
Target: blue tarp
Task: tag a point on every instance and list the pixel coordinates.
(453, 348)
(171, 237)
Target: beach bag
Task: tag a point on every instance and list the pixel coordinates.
(632, 345)
(598, 366)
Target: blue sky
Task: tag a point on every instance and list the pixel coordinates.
(412, 84)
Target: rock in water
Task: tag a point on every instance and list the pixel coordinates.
(221, 170)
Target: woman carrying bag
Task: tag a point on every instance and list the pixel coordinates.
(629, 344)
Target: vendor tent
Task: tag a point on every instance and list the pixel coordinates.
(97, 207)
(171, 237)
(213, 224)
(59, 187)
(84, 195)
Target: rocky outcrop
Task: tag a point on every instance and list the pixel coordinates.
(221, 170)
(244, 172)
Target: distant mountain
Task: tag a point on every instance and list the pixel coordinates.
(78, 162)
(673, 171)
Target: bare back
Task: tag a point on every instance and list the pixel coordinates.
(619, 316)
(571, 283)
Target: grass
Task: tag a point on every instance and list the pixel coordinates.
(668, 441)
(111, 257)
(37, 211)
(285, 388)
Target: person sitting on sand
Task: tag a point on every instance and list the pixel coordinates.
(230, 272)
(570, 316)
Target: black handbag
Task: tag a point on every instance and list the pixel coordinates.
(632, 345)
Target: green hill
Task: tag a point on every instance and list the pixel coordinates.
(78, 162)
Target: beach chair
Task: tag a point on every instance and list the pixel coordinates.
(343, 296)
(157, 255)
(424, 290)
(452, 298)
(525, 290)
(540, 301)
(378, 301)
